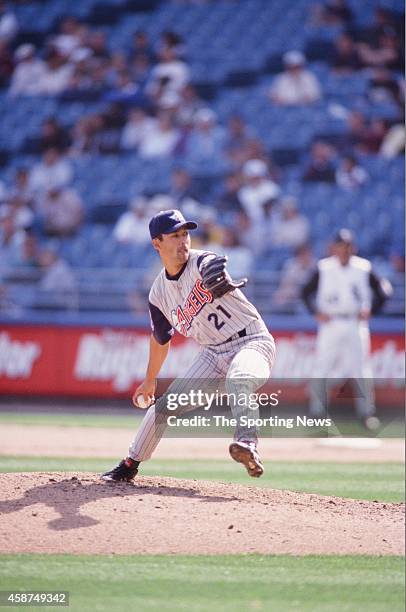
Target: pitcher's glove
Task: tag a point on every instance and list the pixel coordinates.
(216, 278)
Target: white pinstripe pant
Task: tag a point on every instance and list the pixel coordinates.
(245, 364)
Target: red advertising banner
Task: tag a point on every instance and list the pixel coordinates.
(103, 362)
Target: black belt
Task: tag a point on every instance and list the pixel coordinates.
(241, 334)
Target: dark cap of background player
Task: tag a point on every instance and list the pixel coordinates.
(167, 222)
(344, 235)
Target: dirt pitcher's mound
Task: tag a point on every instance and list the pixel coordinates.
(66, 513)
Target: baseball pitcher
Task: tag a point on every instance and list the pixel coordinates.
(195, 295)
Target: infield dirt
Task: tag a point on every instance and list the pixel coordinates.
(58, 441)
(67, 513)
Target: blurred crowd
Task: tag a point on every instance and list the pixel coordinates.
(152, 110)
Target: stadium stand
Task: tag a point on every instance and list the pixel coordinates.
(200, 59)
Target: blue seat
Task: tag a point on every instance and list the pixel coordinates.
(234, 50)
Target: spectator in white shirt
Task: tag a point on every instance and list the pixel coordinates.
(257, 198)
(259, 190)
(296, 85)
(57, 75)
(132, 226)
(8, 23)
(170, 74)
(53, 171)
(11, 239)
(70, 37)
(23, 215)
(61, 211)
(394, 142)
(21, 189)
(288, 228)
(57, 275)
(350, 175)
(20, 199)
(206, 141)
(161, 139)
(138, 126)
(28, 73)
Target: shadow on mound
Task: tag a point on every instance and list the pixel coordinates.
(67, 496)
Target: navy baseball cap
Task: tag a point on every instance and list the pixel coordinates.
(167, 222)
(344, 235)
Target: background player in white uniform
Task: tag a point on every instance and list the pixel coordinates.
(347, 292)
(236, 345)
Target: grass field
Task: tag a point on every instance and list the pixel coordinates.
(382, 482)
(72, 419)
(218, 583)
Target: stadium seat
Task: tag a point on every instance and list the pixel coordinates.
(234, 50)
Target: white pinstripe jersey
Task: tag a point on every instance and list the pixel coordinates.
(183, 303)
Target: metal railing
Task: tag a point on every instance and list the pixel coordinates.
(126, 290)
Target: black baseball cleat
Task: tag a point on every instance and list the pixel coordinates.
(247, 454)
(125, 471)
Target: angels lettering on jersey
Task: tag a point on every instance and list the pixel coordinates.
(182, 318)
(182, 302)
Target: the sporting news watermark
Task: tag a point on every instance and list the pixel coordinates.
(279, 408)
